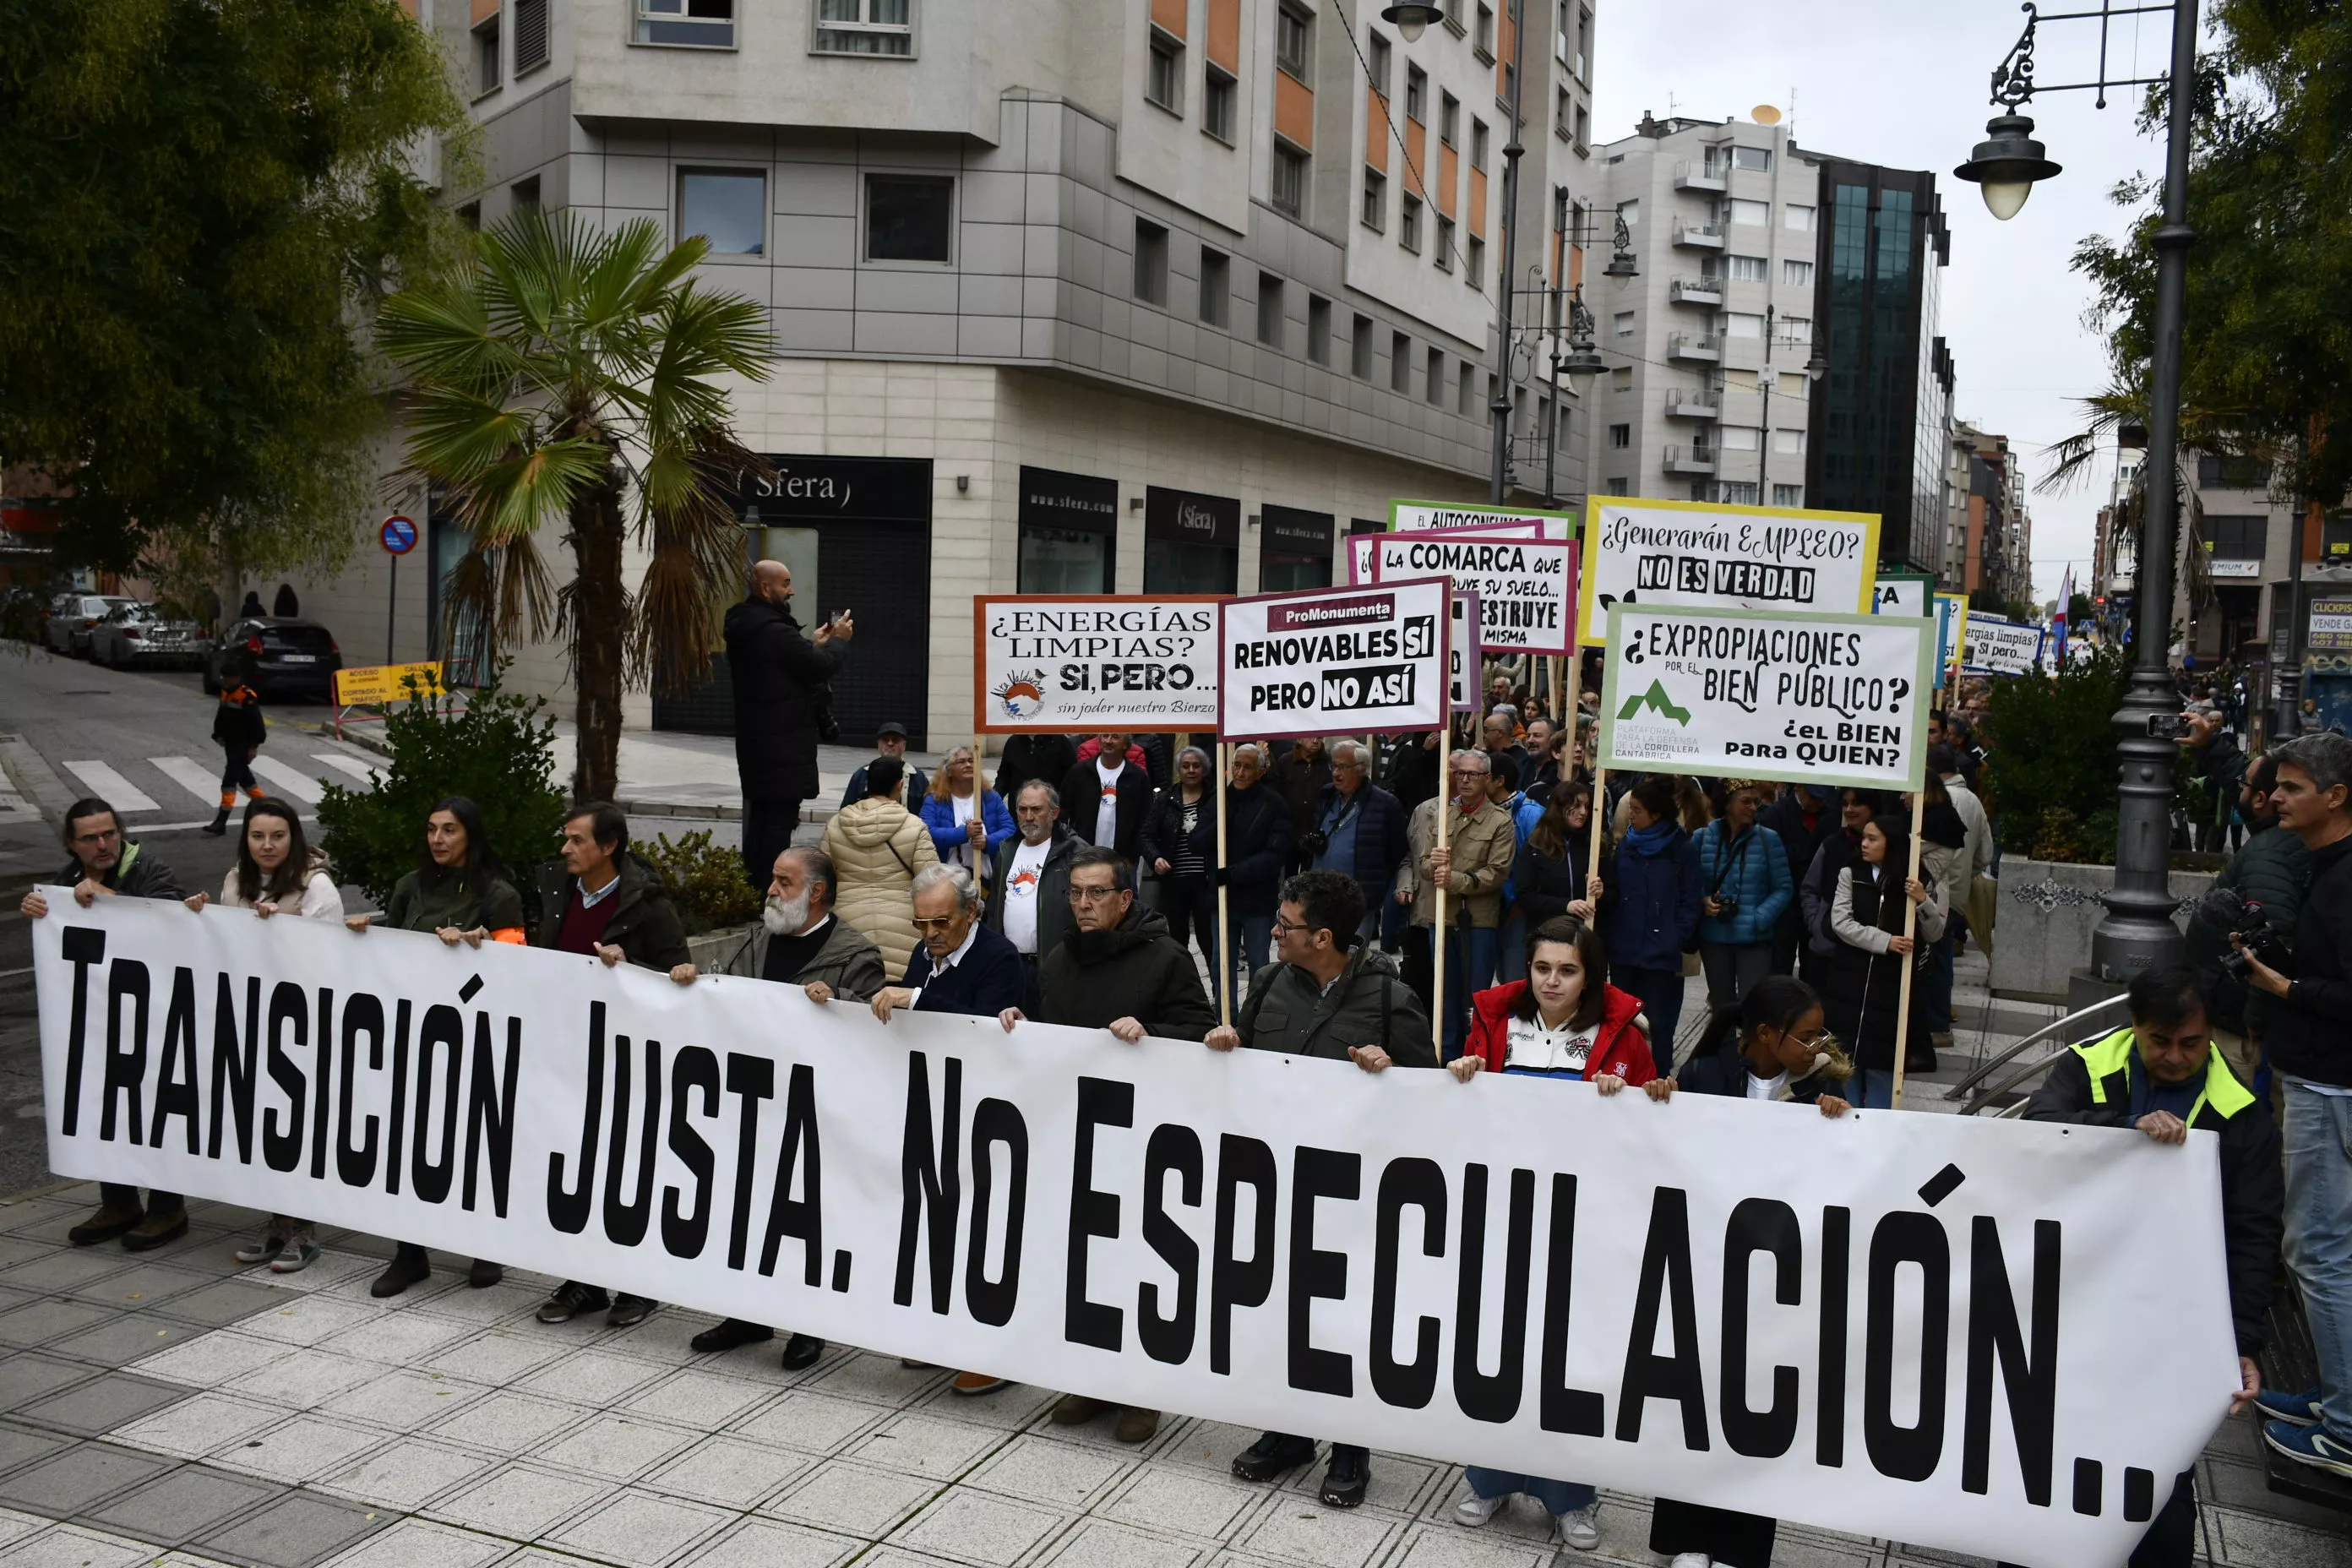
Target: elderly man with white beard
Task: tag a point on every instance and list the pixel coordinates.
(800, 944)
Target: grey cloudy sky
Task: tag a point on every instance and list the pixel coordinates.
(1904, 83)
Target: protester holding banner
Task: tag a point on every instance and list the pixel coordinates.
(966, 821)
(1862, 984)
(1334, 999)
(1180, 845)
(1748, 886)
(1473, 869)
(1031, 878)
(1358, 829)
(1650, 893)
(879, 846)
(1258, 847)
(959, 965)
(461, 891)
(1856, 807)
(1106, 796)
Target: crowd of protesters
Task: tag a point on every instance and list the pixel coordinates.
(1080, 888)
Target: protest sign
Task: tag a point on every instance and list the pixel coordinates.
(1737, 557)
(1951, 629)
(1413, 516)
(1997, 646)
(1934, 1329)
(1363, 547)
(1063, 662)
(1526, 588)
(1825, 700)
(1903, 594)
(1462, 652)
(1328, 661)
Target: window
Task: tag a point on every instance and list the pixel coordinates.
(1216, 287)
(1797, 332)
(1630, 212)
(1449, 118)
(1787, 495)
(1375, 199)
(1624, 323)
(470, 215)
(1741, 492)
(530, 34)
(1291, 42)
(1400, 364)
(1465, 390)
(2237, 537)
(694, 24)
(1617, 488)
(1474, 269)
(728, 207)
(1798, 218)
(1165, 84)
(1269, 309)
(1563, 115)
(1360, 349)
(1510, 82)
(1620, 437)
(1416, 94)
(1584, 45)
(1408, 231)
(1289, 180)
(1379, 65)
(2231, 473)
(486, 55)
(908, 218)
(1756, 158)
(1742, 324)
(1433, 382)
(1319, 329)
(1740, 211)
(1150, 262)
(1477, 142)
(1794, 383)
(1788, 443)
(1583, 128)
(1746, 268)
(861, 26)
(1444, 244)
(1739, 437)
(1621, 379)
(1797, 274)
(1217, 98)
(1483, 40)
(523, 192)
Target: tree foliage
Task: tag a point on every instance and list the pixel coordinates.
(200, 201)
(2266, 364)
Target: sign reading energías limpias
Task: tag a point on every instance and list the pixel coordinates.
(1064, 662)
(1830, 700)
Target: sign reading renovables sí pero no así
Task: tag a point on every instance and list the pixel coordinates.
(1334, 661)
(1068, 663)
(1734, 557)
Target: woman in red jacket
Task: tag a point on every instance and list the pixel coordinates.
(1563, 1021)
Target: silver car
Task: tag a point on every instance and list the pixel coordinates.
(74, 616)
(139, 634)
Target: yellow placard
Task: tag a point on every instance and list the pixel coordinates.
(376, 684)
(1735, 537)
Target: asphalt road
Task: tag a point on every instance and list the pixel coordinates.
(143, 741)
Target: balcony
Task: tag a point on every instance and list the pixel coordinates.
(1696, 291)
(1690, 176)
(1690, 459)
(1682, 404)
(1703, 349)
(1701, 235)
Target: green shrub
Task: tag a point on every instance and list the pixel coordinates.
(705, 881)
(2051, 767)
(494, 751)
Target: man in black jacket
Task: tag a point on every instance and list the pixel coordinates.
(1804, 816)
(599, 899)
(2163, 1076)
(1047, 759)
(2311, 1051)
(780, 680)
(1106, 798)
(106, 865)
(1258, 847)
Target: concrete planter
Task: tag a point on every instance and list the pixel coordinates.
(710, 952)
(2048, 910)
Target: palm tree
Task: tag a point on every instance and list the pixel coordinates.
(571, 374)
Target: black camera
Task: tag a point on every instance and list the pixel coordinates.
(1726, 906)
(2226, 911)
(1313, 842)
(2168, 726)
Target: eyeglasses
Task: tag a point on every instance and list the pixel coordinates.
(1287, 927)
(939, 924)
(1094, 895)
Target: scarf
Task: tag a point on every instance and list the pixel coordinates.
(1654, 839)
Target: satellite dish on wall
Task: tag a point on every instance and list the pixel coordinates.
(1765, 114)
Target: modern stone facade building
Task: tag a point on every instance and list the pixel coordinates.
(1072, 294)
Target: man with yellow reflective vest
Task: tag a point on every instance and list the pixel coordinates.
(2163, 1076)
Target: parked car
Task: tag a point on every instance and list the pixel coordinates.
(287, 656)
(141, 633)
(73, 616)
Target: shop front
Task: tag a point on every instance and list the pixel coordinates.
(1191, 542)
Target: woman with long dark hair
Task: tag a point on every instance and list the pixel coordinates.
(1548, 875)
(460, 893)
(1862, 986)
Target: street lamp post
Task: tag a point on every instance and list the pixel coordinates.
(2137, 932)
(1513, 150)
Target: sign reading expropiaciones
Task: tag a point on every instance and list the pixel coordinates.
(1997, 646)
(1526, 588)
(1830, 701)
(1334, 660)
(1066, 662)
(1735, 557)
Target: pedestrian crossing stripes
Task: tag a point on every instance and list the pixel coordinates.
(202, 781)
(288, 781)
(298, 778)
(112, 787)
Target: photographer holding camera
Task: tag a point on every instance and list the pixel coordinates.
(2310, 1050)
(2258, 895)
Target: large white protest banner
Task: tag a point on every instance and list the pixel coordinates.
(1828, 701)
(1526, 588)
(1930, 1328)
(1119, 662)
(1371, 658)
(1737, 557)
(1997, 646)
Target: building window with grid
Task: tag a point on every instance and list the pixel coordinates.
(1376, 63)
(1583, 128)
(1477, 143)
(1150, 262)
(1756, 160)
(1217, 99)
(1416, 94)
(909, 217)
(1617, 488)
(1474, 264)
(2239, 537)
(1797, 274)
(1409, 230)
(687, 24)
(1319, 329)
(1289, 179)
(1360, 349)
(1400, 363)
(1269, 309)
(487, 55)
(1620, 437)
(1216, 287)
(1564, 116)
(1746, 268)
(1164, 85)
(1444, 244)
(1375, 199)
(1623, 323)
(1293, 39)
(863, 27)
(727, 207)
(1449, 118)
(1787, 495)
(529, 35)
(1482, 37)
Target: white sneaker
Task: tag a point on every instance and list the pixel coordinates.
(1475, 1511)
(1693, 1560)
(1578, 1528)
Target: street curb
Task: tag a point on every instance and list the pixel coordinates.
(34, 778)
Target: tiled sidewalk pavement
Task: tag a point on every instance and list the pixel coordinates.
(172, 1408)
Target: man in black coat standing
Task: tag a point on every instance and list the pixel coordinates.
(1106, 799)
(779, 677)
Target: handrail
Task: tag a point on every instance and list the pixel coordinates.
(2017, 1047)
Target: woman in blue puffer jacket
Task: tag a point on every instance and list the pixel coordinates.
(1748, 887)
(1648, 896)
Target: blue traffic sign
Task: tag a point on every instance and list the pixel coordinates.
(398, 535)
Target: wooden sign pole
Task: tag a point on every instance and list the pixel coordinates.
(1911, 960)
(1437, 930)
(1222, 964)
(1600, 812)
